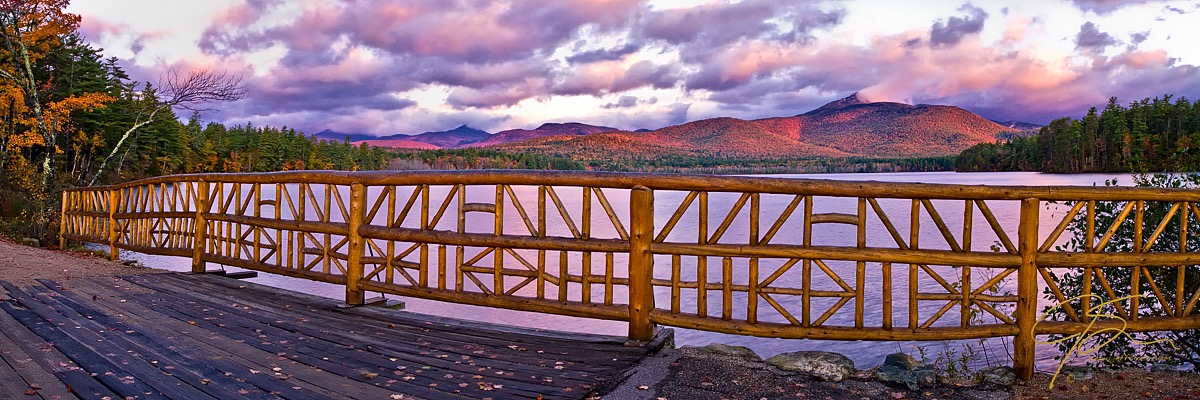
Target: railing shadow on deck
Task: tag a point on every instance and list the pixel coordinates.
(772, 257)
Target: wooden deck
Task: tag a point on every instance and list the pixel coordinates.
(181, 336)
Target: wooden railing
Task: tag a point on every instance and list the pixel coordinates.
(754, 256)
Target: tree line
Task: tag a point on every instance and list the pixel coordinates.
(1159, 134)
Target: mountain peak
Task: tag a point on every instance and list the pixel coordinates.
(853, 99)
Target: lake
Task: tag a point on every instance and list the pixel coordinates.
(865, 354)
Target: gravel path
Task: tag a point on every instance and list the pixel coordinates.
(22, 265)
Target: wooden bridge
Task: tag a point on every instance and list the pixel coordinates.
(787, 258)
(182, 336)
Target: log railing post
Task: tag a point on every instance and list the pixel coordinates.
(62, 223)
(641, 263)
(199, 235)
(1027, 289)
(354, 266)
(114, 199)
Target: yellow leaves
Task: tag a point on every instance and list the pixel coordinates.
(23, 174)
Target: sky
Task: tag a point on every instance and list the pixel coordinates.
(384, 67)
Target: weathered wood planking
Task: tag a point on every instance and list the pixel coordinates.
(197, 336)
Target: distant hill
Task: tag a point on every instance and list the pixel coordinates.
(454, 138)
(399, 144)
(548, 129)
(340, 136)
(465, 136)
(457, 137)
(1018, 125)
(848, 127)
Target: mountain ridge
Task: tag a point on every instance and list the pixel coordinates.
(848, 127)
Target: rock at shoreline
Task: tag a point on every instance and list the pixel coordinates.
(824, 365)
(1000, 375)
(1077, 373)
(734, 351)
(904, 369)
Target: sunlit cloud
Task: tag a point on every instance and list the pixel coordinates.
(389, 67)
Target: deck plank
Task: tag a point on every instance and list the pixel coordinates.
(177, 335)
(405, 338)
(347, 357)
(230, 355)
(68, 377)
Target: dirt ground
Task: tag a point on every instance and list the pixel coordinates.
(694, 373)
(22, 265)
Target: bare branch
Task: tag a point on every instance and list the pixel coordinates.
(198, 88)
(191, 91)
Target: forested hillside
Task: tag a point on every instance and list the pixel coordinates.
(1159, 134)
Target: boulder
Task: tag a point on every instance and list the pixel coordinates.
(904, 369)
(1163, 367)
(730, 350)
(1077, 373)
(31, 242)
(1001, 375)
(824, 365)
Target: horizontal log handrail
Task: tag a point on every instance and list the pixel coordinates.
(531, 242)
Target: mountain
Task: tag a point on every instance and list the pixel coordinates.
(1019, 125)
(339, 136)
(548, 129)
(398, 143)
(457, 137)
(890, 129)
(851, 126)
(454, 138)
(849, 101)
(465, 136)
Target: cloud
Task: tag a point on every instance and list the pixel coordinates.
(1108, 6)
(623, 102)
(1090, 38)
(952, 30)
(701, 31)
(610, 54)
(1137, 38)
(387, 67)
(494, 95)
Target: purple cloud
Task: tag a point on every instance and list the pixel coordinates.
(1108, 6)
(952, 30)
(1090, 38)
(345, 63)
(591, 56)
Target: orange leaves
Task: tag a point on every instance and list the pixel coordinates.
(58, 114)
(84, 102)
(24, 140)
(36, 25)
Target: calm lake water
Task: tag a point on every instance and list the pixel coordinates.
(865, 354)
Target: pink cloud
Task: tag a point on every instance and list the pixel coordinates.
(752, 58)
